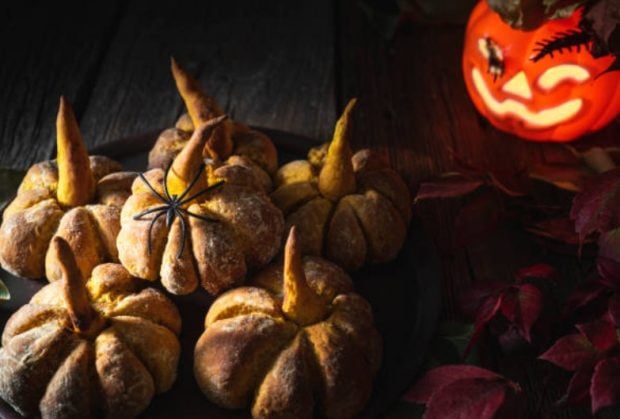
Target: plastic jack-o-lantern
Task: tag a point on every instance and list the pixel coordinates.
(544, 84)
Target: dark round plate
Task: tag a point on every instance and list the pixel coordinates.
(405, 296)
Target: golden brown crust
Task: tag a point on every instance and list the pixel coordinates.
(325, 367)
(42, 175)
(367, 226)
(126, 385)
(169, 143)
(156, 347)
(28, 362)
(70, 393)
(178, 273)
(35, 216)
(286, 391)
(256, 339)
(217, 251)
(244, 234)
(79, 230)
(256, 146)
(47, 365)
(346, 380)
(345, 238)
(115, 188)
(311, 220)
(375, 213)
(24, 238)
(248, 143)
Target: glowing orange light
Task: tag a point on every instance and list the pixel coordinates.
(559, 97)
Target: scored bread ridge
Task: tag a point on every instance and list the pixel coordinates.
(250, 354)
(34, 217)
(45, 367)
(248, 143)
(368, 225)
(245, 233)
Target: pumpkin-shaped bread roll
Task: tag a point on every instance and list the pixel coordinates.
(187, 228)
(80, 349)
(75, 197)
(230, 138)
(297, 342)
(348, 208)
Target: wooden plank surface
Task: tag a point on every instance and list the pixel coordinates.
(413, 103)
(46, 52)
(267, 63)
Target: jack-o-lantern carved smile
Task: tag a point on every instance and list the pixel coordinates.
(541, 85)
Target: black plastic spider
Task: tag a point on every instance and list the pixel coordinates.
(173, 206)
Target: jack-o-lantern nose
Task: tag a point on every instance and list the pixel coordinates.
(518, 86)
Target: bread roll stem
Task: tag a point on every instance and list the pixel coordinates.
(301, 304)
(202, 108)
(187, 163)
(74, 288)
(337, 177)
(76, 183)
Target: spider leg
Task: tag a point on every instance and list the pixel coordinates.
(150, 247)
(183, 232)
(200, 217)
(149, 211)
(204, 191)
(157, 194)
(193, 182)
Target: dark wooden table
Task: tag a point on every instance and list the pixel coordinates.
(283, 66)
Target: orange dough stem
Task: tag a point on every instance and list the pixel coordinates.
(187, 163)
(76, 297)
(76, 184)
(337, 177)
(202, 108)
(301, 304)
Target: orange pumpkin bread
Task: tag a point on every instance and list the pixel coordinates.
(76, 197)
(85, 349)
(298, 341)
(216, 227)
(230, 138)
(352, 209)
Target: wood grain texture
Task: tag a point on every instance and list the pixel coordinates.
(267, 64)
(46, 52)
(413, 105)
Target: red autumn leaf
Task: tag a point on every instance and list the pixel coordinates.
(486, 312)
(510, 304)
(596, 208)
(530, 303)
(538, 270)
(570, 352)
(608, 261)
(567, 176)
(585, 295)
(440, 377)
(448, 187)
(471, 300)
(467, 399)
(614, 308)
(601, 333)
(579, 386)
(605, 388)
